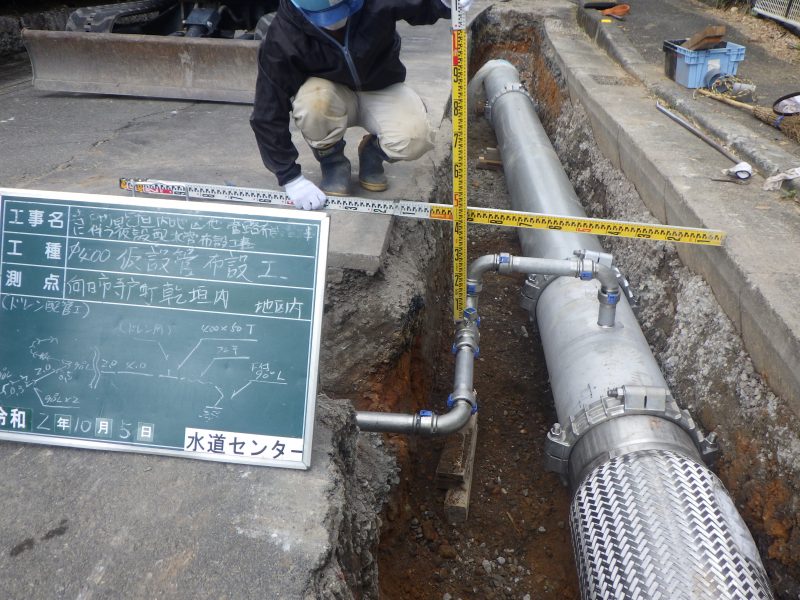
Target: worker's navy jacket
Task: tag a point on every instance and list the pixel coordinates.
(294, 49)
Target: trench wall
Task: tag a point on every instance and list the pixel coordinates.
(697, 345)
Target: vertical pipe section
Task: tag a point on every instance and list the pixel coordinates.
(649, 519)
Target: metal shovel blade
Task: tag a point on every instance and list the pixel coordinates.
(218, 70)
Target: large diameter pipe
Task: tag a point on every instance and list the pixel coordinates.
(533, 171)
(584, 361)
(648, 518)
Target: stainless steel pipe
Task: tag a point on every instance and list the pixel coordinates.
(649, 519)
(462, 401)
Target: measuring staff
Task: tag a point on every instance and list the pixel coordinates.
(440, 212)
(459, 114)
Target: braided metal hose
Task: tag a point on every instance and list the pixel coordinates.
(658, 525)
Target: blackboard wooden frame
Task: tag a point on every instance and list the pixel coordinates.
(68, 257)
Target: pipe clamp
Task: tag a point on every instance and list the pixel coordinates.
(508, 88)
(620, 402)
(473, 401)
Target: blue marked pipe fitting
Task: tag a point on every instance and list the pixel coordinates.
(474, 404)
(426, 413)
(505, 258)
(471, 315)
(613, 298)
(586, 275)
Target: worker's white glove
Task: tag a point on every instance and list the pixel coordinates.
(462, 4)
(304, 194)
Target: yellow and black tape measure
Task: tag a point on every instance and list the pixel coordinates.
(440, 212)
(459, 213)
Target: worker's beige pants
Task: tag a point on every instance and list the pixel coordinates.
(323, 111)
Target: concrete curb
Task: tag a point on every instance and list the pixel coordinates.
(670, 169)
(764, 154)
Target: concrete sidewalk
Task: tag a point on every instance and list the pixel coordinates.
(97, 524)
(673, 171)
(636, 45)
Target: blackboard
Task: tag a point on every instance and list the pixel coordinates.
(160, 326)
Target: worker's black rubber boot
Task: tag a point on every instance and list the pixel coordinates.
(335, 169)
(370, 164)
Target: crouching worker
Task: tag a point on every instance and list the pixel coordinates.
(335, 64)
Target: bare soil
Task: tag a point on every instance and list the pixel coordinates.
(516, 541)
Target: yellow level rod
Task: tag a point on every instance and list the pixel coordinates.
(442, 212)
(626, 229)
(459, 212)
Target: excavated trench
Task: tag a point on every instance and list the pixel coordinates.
(516, 541)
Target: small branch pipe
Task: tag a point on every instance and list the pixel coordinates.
(582, 268)
(462, 401)
(648, 518)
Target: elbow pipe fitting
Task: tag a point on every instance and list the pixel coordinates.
(424, 422)
(581, 267)
(608, 295)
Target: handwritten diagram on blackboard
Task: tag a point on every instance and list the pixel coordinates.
(160, 326)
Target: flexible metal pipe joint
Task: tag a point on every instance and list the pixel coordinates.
(648, 518)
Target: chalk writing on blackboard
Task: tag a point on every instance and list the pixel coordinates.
(144, 326)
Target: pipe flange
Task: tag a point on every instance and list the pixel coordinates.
(507, 88)
(620, 402)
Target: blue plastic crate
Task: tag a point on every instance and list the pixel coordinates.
(699, 68)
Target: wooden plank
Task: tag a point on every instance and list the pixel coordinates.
(707, 38)
(490, 159)
(456, 502)
(456, 454)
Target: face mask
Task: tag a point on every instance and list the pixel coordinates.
(338, 25)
